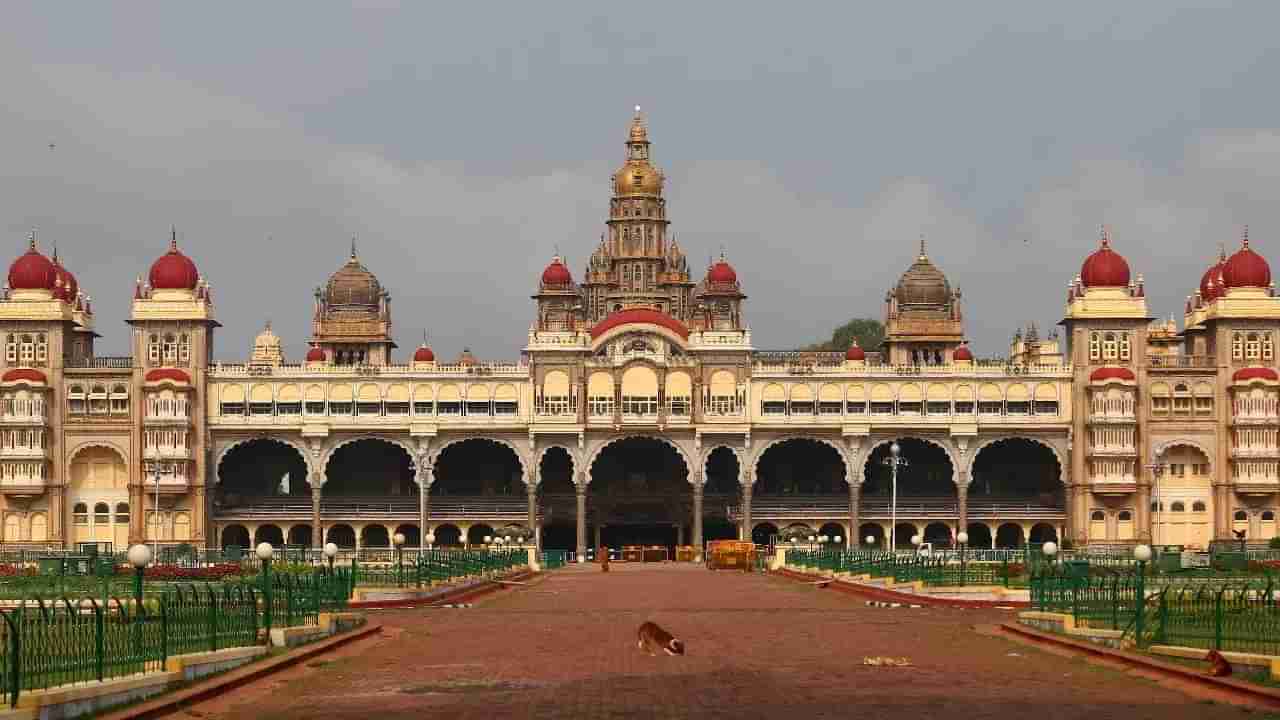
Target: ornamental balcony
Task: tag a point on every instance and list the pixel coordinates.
(1110, 486)
(1112, 451)
(1182, 362)
(1259, 453)
(796, 363)
(1257, 486)
(418, 370)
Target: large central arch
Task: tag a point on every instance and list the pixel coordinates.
(638, 492)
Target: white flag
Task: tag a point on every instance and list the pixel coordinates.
(284, 484)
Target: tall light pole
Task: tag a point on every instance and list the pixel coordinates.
(1157, 469)
(155, 508)
(894, 461)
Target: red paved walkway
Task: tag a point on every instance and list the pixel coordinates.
(759, 647)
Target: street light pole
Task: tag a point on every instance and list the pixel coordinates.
(1157, 469)
(894, 461)
(155, 509)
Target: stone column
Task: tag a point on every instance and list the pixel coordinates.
(680, 534)
(598, 529)
(1224, 512)
(424, 504)
(697, 521)
(317, 533)
(531, 494)
(855, 493)
(138, 518)
(746, 510)
(581, 491)
(1143, 500)
(962, 505)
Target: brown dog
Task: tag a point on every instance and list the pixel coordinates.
(604, 559)
(1218, 665)
(651, 638)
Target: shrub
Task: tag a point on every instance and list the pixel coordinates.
(1274, 543)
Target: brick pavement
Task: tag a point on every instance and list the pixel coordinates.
(564, 647)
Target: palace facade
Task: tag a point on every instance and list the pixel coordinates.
(640, 411)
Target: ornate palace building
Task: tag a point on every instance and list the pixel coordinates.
(641, 412)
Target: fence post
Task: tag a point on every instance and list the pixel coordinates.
(1217, 618)
(1139, 597)
(164, 630)
(1004, 563)
(213, 618)
(99, 641)
(14, 640)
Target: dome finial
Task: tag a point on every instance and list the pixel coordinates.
(923, 255)
(353, 247)
(1104, 233)
(1245, 240)
(31, 240)
(637, 111)
(1222, 252)
(173, 238)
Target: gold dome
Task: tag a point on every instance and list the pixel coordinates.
(353, 284)
(638, 176)
(923, 283)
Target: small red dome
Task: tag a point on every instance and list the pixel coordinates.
(1111, 373)
(423, 354)
(962, 353)
(640, 315)
(1254, 373)
(69, 285)
(315, 354)
(173, 374)
(27, 374)
(1105, 267)
(1246, 268)
(1211, 281)
(557, 273)
(854, 352)
(173, 270)
(722, 273)
(32, 271)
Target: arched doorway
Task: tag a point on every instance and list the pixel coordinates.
(300, 535)
(235, 536)
(763, 534)
(980, 536)
(411, 535)
(902, 534)
(1009, 535)
(100, 479)
(721, 491)
(799, 467)
(833, 531)
(1043, 533)
(873, 531)
(343, 536)
(478, 467)
(928, 474)
(372, 468)
(557, 499)
(448, 535)
(938, 533)
(639, 494)
(375, 536)
(261, 472)
(1016, 470)
(1186, 491)
(269, 534)
(477, 533)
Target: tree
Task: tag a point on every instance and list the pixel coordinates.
(869, 332)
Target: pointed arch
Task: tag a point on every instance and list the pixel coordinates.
(224, 450)
(1063, 468)
(738, 454)
(542, 453)
(844, 458)
(526, 468)
(106, 444)
(600, 447)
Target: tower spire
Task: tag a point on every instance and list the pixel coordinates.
(923, 255)
(173, 238)
(1104, 233)
(31, 240)
(1245, 241)
(353, 247)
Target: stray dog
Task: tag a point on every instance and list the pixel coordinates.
(1218, 665)
(651, 638)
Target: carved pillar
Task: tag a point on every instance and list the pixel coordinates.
(137, 519)
(962, 504)
(424, 504)
(531, 494)
(1223, 510)
(581, 491)
(746, 509)
(697, 521)
(58, 532)
(317, 533)
(855, 492)
(1143, 500)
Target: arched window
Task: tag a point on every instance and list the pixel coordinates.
(42, 349)
(11, 349)
(122, 513)
(1240, 516)
(80, 514)
(1098, 516)
(1198, 506)
(27, 352)
(101, 514)
(1095, 346)
(1268, 515)
(1253, 347)
(1268, 351)
(1125, 516)
(1124, 346)
(1178, 507)
(184, 349)
(1110, 348)
(170, 348)
(1237, 346)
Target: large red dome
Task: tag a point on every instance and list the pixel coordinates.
(854, 352)
(1105, 267)
(722, 273)
(424, 354)
(1246, 268)
(557, 273)
(173, 270)
(32, 271)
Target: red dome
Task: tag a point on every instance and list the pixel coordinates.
(315, 354)
(722, 272)
(1105, 268)
(962, 353)
(640, 315)
(69, 285)
(1246, 268)
(1211, 281)
(1111, 373)
(423, 354)
(23, 374)
(173, 270)
(32, 271)
(1254, 373)
(173, 374)
(557, 273)
(854, 352)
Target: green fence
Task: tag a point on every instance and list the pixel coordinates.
(554, 559)
(441, 565)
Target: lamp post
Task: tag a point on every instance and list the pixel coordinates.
(962, 538)
(265, 552)
(156, 469)
(398, 541)
(894, 461)
(871, 540)
(1050, 550)
(330, 552)
(1157, 469)
(1141, 554)
(915, 543)
(431, 539)
(139, 558)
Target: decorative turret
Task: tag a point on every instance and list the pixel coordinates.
(923, 323)
(352, 321)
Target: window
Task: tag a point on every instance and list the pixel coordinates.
(42, 349)
(507, 407)
(399, 409)
(1267, 351)
(27, 351)
(315, 408)
(1046, 407)
(1098, 516)
(170, 348)
(293, 408)
(1124, 346)
(1178, 507)
(98, 400)
(1198, 506)
(369, 408)
(1178, 469)
(680, 405)
(80, 514)
(122, 513)
(101, 514)
(1095, 347)
(1156, 506)
(1110, 349)
(119, 400)
(773, 407)
(1160, 405)
(76, 400)
(1182, 405)
(1204, 405)
(829, 408)
(184, 349)
(855, 407)
(1237, 347)
(597, 405)
(964, 407)
(639, 405)
(421, 407)
(938, 408)
(1125, 516)
(153, 349)
(881, 408)
(1252, 347)
(991, 407)
(10, 350)
(231, 408)
(261, 408)
(1240, 516)
(1017, 407)
(802, 407)
(1268, 515)
(341, 408)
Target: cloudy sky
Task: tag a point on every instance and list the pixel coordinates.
(464, 142)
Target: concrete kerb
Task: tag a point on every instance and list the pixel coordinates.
(174, 701)
(1241, 691)
(888, 595)
(440, 596)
